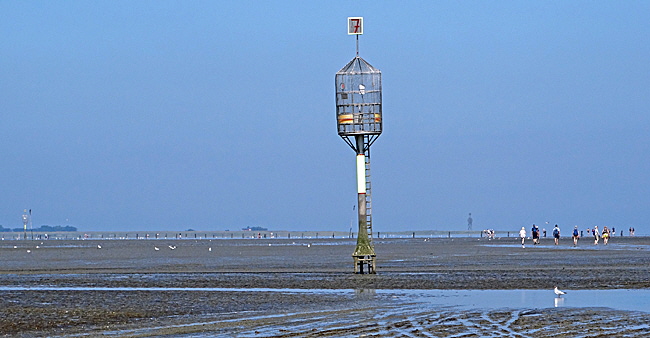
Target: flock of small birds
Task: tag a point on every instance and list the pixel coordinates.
(29, 250)
(171, 247)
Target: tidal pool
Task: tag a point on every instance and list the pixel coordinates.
(618, 299)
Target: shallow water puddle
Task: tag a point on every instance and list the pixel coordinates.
(619, 299)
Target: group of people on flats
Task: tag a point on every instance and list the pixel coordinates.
(605, 234)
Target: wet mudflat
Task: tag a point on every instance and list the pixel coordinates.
(377, 308)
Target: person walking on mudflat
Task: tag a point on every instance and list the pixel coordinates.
(576, 236)
(605, 235)
(535, 231)
(556, 234)
(522, 234)
(596, 235)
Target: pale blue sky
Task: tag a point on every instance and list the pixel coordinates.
(142, 115)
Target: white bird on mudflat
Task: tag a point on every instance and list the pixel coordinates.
(156, 248)
(173, 247)
(99, 246)
(558, 292)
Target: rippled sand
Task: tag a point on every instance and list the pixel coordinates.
(270, 314)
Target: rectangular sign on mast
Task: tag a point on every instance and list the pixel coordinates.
(355, 25)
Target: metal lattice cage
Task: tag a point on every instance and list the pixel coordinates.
(358, 99)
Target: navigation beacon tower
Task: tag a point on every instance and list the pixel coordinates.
(359, 123)
(25, 221)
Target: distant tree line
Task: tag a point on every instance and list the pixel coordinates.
(42, 228)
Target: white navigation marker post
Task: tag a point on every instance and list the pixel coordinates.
(25, 221)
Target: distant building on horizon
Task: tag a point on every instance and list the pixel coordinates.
(254, 229)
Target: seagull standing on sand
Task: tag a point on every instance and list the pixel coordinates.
(558, 292)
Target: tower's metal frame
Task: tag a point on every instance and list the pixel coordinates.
(359, 123)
